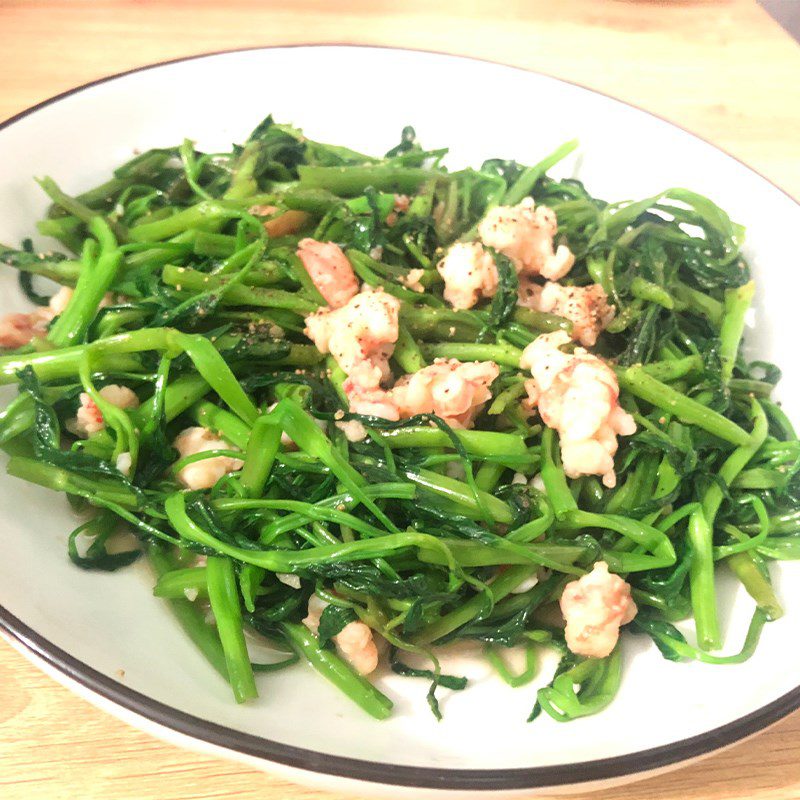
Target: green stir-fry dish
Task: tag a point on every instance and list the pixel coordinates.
(361, 408)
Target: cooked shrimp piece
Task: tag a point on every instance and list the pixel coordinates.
(586, 307)
(330, 271)
(353, 430)
(587, 457)
(525, 234)
(89, 419)
(288, 579)
(371, 402)
(262, 211)
(582, 401)
(469, 273)
(60, 300)
(17, 330)
(124, 463)
(354, 642)
(544, 358)
(287, 223)
(451, 389)
(401, 204)
(454, 391)
(360, 335)
(205, 473)
(412, 280)
(119, 396)
(578, 396)
(594, 607)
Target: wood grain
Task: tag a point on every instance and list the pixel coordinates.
(722, 69)
(54, 745)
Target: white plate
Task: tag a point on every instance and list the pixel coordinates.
(91, 626)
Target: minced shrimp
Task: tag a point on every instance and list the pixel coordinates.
(360, 335)
(594, 608)
(329, 269)
(354, 642)
(412, 280)
(17, 330)
(89, 418)
(577, 395)
(285, 224)
(401, 204)
(525, 234)
(469, 274)
(205, 473)
(262, 210)
(586, 307)
(451, 389)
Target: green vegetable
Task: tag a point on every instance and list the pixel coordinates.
(428, 529)
(224, 596)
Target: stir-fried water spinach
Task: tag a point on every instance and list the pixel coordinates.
(423, 532)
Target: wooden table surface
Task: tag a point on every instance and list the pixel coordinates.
(724, 70)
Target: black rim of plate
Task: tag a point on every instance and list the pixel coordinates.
(375, 772)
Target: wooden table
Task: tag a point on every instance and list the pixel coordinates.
(724, 70)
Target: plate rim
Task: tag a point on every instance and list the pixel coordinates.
(567, 774)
